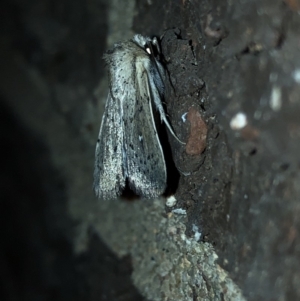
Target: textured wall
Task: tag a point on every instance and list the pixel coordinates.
(234, 68)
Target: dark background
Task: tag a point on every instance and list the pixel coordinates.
(242, 191)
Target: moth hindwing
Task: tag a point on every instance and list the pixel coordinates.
(128, 149)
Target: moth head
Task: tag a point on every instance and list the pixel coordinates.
(151, 46)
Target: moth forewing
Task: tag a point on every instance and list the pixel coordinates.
(109, 179)
(145, 159)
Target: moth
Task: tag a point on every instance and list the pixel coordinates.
(128, 149)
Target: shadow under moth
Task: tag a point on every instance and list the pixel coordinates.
(128, 148)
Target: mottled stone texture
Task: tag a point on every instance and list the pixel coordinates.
(240, 191)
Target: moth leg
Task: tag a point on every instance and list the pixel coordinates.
(158, 103)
